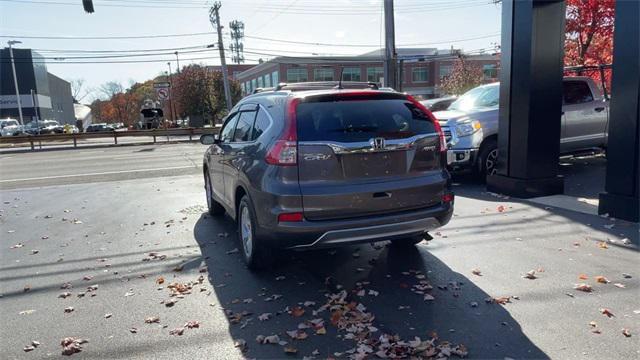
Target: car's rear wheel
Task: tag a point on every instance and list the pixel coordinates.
(256, 253)
(214, 207)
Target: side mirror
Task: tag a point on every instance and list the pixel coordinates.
(209, 139)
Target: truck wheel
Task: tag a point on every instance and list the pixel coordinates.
(487, 160)
(215, 209)
(256, 253)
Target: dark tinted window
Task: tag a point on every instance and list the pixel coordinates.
(227, 130)
(261, 124)
(360, 120)
(576, 92)
(243, 129)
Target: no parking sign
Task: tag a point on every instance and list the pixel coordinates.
(162, 93)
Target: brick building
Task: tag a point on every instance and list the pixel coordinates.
(421, 72)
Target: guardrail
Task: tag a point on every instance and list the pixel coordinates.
(115, 135)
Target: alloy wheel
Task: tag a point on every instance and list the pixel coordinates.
(246, 232)
(490, 162)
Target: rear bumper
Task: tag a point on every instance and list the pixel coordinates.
(332, 233)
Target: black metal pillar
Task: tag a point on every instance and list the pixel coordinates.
(530, 99)
(620, 199)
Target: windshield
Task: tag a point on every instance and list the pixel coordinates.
(480, 97)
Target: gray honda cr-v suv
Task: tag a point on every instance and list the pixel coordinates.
(312, 165)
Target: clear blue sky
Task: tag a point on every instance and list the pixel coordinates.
(434, 23)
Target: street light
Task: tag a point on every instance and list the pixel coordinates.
(15, 77)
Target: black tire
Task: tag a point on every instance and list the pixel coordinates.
(255, 251)
(214, 207)
(408, 241)
(487, 160)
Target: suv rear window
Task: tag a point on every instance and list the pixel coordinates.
(361, 120)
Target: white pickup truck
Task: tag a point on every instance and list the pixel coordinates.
(470, 124)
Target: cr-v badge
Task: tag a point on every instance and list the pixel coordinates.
(311, 157)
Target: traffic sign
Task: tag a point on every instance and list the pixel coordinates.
(163, 93)
(161, 85)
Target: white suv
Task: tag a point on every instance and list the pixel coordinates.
(10, 127)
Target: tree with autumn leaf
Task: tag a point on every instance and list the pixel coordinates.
(198, 91)
(465, 76)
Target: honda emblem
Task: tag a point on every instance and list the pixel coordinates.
(377, 143)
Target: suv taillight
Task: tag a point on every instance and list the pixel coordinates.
(436, 124)
(284, 151)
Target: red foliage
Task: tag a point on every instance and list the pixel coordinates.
(589, 33)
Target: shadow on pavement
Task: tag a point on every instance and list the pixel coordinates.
(486, 329)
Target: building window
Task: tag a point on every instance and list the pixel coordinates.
(244, 90)
(260, 83)
(253, 84)
(296, 75)
(274, 77)
(490, 71)
(267, 80)
(375, 74)
(247, 85)
(445, 71)
(351, 74)
(419, 74)
(323, 74)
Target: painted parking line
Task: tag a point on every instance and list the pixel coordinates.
(98, 173)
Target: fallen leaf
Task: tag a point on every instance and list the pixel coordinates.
(626, 332)
(428, 297)
(177, 331)
(583, 277)
(606, 312)
(152, 319)
(265, 316)
(170, 302)
(26, 312)
(72, 345)
(133, 330)
(232, 251)
(297, 311)
(476, 272)
(321, 331)
(68, 309)
(160, 280)
(602, 279)
(501, 208)
(583, 287)
(290, 349)
(530, 275)
(621, 286)
(603, 245)
(280, 278)
(240, 344)
(64, 295)
(192, 324)
(106, 316)
(17, 246)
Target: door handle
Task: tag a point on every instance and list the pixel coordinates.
(599, 109)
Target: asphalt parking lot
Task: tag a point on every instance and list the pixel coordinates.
(120, 229)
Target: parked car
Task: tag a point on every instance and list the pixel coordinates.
(10, 127)
(299, 168)
(470, 124)
(70, 129)
(43, 127)
(99, 127)
(438, 104)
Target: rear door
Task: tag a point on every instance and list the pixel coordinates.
(363, 155)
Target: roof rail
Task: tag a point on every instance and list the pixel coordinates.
(319, 85)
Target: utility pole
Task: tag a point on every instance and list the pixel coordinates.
(15, 77)
(214, 17)
(171, 108)
(237, 34)
(177, 62)
(390, 75)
